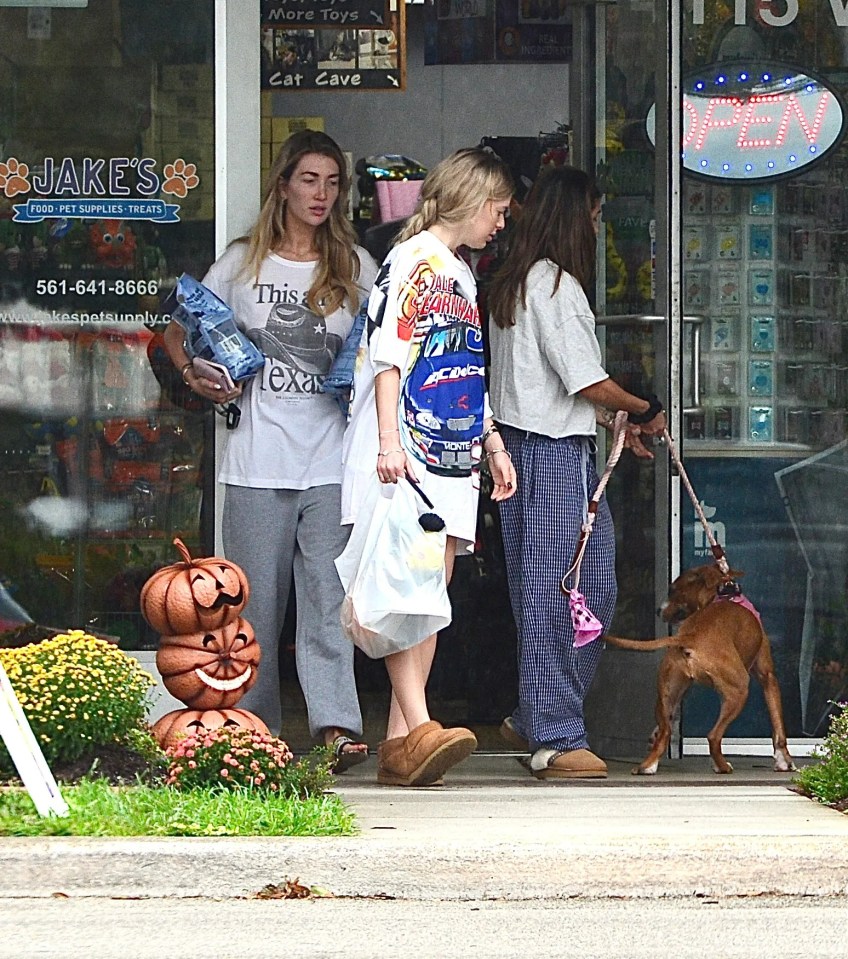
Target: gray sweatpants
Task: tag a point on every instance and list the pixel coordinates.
(269, 533)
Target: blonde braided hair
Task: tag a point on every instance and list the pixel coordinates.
(456, 188)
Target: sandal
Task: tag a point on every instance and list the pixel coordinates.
(344, 760)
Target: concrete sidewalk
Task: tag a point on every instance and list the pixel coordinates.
(492, 833)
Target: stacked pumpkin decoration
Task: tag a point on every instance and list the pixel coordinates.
(208, 654)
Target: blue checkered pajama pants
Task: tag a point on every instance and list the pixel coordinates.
(541, 524)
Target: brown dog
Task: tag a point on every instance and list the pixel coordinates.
(719, 643)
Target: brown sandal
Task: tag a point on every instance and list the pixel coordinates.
(345, 759)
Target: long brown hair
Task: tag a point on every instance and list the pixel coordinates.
(555, 224)
(338, 265)
(457, 187)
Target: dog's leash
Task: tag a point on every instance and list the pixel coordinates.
(586, 625)
(715, 548)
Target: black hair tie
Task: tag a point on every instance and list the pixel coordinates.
(654, 409)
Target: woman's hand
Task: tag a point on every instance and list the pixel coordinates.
(503, 473)
(633, 442)
(655, 427)
(392, 465)
(208, 389)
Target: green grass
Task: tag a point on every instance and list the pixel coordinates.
(98, 809)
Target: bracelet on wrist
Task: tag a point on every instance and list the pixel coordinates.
(501, 450)
(389, 452)
(492, 429)
(655, 407)
(388, 432)
(183, 370)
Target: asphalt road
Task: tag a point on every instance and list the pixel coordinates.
(362, 929)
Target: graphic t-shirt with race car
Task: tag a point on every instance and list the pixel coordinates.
(431, 332)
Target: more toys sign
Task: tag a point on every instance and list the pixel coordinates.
(332, 45)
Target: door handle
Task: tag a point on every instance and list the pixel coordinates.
(655, 319)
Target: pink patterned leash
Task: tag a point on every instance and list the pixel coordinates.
(715, 548)
(587, 627)
(729, 589)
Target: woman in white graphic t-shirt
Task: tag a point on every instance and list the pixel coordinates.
(294, 285)
(419, 411)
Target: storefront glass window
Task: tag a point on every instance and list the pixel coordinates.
(106, 196)
(764, 262)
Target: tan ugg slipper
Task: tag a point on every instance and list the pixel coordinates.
(574, 764)
(423, 756)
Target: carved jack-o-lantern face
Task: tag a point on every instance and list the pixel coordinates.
(212, 669)
(175, 725)
(197, 594)
(215, 586)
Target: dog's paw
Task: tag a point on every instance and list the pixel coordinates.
(645, 770)
(783, 763)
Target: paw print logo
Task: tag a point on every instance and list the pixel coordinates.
(13, 177)
(180, 177)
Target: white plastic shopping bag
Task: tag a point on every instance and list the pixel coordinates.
(393, 572)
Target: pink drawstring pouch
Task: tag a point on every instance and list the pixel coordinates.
(587, 626)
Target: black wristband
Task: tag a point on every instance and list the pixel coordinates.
(654, 409)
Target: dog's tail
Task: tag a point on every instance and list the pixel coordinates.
(644, 644)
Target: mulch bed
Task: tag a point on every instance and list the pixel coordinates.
(117, 764)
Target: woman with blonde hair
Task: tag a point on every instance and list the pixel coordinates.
(294, 284)
(419, 411)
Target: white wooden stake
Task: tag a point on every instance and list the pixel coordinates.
(26, 753)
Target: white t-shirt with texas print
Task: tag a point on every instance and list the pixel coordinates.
(290, 434)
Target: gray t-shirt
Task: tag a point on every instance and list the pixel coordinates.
(540, 364)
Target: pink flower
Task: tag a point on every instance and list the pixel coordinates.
(225, 773)
(192, 764)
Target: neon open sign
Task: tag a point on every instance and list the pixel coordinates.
(756, 122)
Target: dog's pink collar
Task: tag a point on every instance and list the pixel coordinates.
(742, 601)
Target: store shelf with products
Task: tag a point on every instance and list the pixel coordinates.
(100, 468)
(765, 263)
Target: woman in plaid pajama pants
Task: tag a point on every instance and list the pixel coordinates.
(548, 391)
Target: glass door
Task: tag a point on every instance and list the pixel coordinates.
(638, 306)
(764, 237)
